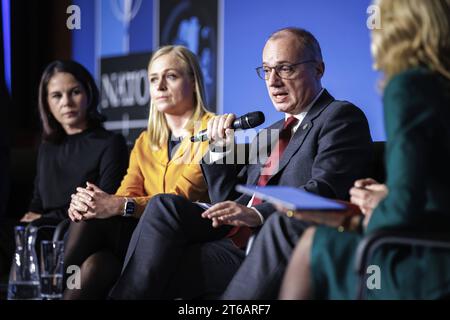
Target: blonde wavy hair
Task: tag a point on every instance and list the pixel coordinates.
(413, 33)
(158, 130)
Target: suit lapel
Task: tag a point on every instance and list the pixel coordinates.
(297, 140)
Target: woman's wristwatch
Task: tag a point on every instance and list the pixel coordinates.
(129, 208)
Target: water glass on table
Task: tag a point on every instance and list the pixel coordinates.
(52, 268)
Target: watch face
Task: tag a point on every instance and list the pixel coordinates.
(129, 208)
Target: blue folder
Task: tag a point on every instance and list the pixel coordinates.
(292, 198)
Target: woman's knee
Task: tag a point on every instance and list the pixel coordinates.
(297, 279)
(101, 261)
(85, 226)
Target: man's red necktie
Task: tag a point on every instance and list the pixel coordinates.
(240, 235)
(273, 161)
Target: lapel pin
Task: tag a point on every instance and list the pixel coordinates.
(305, 126)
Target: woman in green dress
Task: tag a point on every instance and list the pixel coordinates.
(412, 49)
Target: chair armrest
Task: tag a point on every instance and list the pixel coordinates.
(378, 238)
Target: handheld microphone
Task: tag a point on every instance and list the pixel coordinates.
(249, 120)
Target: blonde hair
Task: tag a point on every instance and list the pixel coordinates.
(158, 130)
(413, 33)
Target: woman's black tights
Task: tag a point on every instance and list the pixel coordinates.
(94, 254)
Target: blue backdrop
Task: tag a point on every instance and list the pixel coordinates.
(340, 27)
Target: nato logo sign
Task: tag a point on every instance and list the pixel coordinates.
(193, 24)
(125, 11)
(125, 95)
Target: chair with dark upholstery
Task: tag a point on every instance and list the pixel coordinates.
(392, 237)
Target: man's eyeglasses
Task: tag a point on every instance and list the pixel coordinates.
(284, 71)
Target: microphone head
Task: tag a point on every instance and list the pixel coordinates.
(249, 120)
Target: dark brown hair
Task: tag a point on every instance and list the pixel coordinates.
(52, 129)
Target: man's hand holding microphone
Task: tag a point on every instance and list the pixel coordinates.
(220, 133)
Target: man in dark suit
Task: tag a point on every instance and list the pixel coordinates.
(180, 250)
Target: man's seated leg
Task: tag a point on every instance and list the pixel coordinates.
(205, 270)
(261, 273)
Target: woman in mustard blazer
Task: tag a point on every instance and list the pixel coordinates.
(162, 161)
